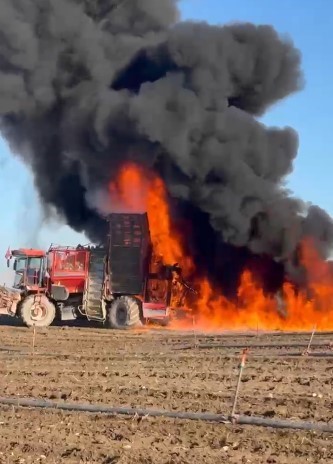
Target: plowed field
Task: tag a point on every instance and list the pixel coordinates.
(157, 369)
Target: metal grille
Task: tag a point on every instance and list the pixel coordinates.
(129, 238)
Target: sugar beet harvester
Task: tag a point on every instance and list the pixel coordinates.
(122, 283)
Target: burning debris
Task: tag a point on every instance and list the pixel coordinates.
(89, 89)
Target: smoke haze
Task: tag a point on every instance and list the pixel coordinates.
(86, 85)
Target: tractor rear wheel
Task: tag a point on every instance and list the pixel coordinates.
(124, 313)
(37, 310)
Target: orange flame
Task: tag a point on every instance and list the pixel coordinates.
(139, 190)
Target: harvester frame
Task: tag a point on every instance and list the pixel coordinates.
(121, 283)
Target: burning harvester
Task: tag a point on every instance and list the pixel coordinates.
(87, 87)
(121, 283)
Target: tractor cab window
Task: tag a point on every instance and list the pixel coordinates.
(34, 270)
(27, 271)
(34, 263)
(18, 279)
(20, 264)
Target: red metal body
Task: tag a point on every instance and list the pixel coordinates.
(68, 266)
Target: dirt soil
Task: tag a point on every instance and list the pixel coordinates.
(153, 369)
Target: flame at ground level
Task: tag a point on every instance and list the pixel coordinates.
(257, 311)
(139, 190)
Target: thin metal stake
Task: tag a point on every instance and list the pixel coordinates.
(194, 332)
(241, 368)
(33, 339)
(307, 351)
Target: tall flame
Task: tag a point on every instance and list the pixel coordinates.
(139, 190)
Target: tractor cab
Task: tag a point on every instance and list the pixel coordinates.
(29, 267)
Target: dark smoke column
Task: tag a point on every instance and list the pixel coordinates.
(87, 85)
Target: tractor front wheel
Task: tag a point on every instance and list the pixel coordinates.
(124, 313)
(37, 310)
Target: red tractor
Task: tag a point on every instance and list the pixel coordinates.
(121, 283)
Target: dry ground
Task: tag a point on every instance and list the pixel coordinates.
(147, 369)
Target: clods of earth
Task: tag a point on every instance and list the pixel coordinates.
(162, 369)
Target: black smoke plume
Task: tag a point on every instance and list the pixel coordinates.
(87, 84)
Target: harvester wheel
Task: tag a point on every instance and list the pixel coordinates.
(37, 310)
(124, 313)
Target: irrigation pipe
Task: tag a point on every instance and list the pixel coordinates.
(284, 354)
(313, 354)
(208, 346)
(174, 336)
(235, 333)
(5, 349)
(102, 409)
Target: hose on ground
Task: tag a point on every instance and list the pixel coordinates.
(208, 346)
(284, 354)
(209, 417)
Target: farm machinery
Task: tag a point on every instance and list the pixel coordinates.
(121, 283)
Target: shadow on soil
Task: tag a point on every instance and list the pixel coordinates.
(7, 321)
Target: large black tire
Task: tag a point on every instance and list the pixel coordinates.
(124, 313)
(37, 310)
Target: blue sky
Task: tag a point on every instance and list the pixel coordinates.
(309, 24)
